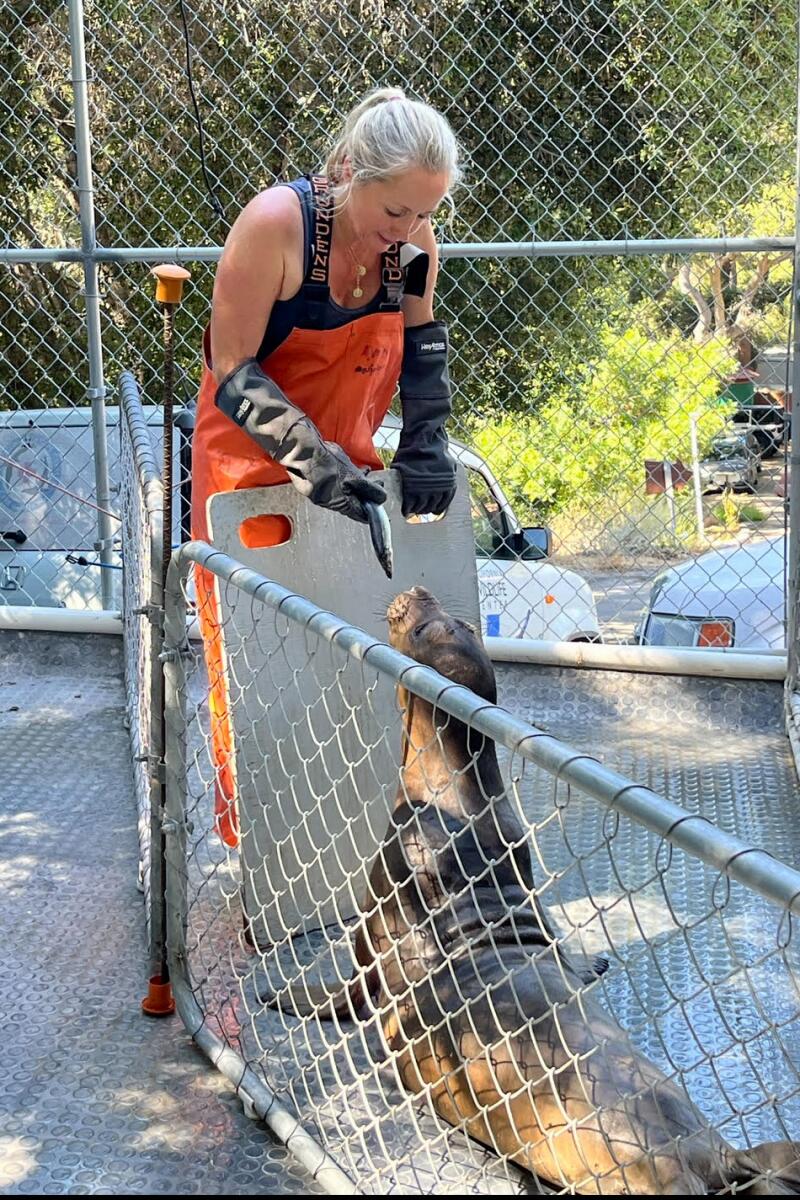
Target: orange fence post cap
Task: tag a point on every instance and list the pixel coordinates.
(159, 1001)
(171, 278)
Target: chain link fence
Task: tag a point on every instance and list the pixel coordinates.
(618, 279)
(588, 326)
(141, 505)
(448, 963)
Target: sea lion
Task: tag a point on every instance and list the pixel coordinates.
(478, 1002)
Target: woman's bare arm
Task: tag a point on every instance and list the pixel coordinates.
(263, 244)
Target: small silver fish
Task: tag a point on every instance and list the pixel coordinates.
(381, 533)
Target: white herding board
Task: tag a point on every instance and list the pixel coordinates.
(316, 733)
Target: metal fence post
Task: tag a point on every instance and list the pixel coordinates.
(792, 489)
(96, 391)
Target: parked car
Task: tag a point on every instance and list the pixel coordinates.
(762, 399)
(751, 442)
(47, 554)
(768, 424)
(733, 461)
(724, 598)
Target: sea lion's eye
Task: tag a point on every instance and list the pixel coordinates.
(419, 628)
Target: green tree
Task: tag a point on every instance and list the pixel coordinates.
(581, 121)
(587, 448)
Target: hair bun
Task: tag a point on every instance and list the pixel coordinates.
(381, 145)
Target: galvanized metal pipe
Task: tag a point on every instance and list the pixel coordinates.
(151, 487)
(25, 254)
(96, 390)
(146, 462)
(286, 1127)
(59, 620)
(625, 247)
(650, 660)
(793, 482)
(645, 660)
(532, 249)
(756, 869)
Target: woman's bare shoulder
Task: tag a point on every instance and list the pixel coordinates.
(276, 210)
(262, 262)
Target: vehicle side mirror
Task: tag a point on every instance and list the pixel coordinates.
(534, 542)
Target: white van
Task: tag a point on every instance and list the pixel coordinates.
(47, 537)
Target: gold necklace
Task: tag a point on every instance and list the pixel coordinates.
(361, 271)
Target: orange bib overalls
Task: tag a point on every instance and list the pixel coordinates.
(344, 378)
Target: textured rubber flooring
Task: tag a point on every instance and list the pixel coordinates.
(95, 1097)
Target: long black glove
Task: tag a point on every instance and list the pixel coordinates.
(427, 470)
(321, 471)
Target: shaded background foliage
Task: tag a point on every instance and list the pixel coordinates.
(601, 120)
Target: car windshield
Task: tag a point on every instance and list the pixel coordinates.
(730, 448)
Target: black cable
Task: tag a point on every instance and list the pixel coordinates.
(215, 201)
(80, 560)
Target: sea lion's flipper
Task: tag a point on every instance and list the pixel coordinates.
(599, 966)
(344, 1000)
(587, 967)
(783, 1160)
(300, 999)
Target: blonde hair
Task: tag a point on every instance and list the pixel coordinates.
(387, 133)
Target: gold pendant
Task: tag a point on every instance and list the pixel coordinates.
(358, 293)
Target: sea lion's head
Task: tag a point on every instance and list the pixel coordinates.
(420, 628)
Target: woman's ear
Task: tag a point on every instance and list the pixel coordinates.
(347, 169)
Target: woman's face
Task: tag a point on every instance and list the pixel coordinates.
(392, 210)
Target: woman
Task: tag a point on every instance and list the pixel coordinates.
(323, 302)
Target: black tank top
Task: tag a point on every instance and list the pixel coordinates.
(315, 311)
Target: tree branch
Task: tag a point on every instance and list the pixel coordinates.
(703, 327)
(720, 316)
(765, 265)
